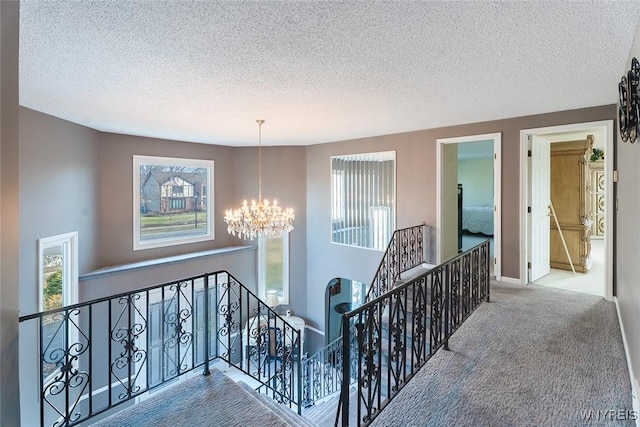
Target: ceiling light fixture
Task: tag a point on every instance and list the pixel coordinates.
(259, 218)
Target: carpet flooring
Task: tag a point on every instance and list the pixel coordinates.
(203, 401)
(533, 356)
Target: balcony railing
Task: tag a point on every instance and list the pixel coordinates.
(98, 355)
(396, 333)
(322, 371)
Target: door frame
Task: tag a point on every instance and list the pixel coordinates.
(497, 193)
(607, 127)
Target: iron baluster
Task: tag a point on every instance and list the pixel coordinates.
(206, 370)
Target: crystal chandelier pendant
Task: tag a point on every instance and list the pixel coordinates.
(260, 218)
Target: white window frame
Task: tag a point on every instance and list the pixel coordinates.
(69, 243)
(262, 269)
(171, 161)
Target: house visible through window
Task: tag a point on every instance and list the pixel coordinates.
(273, 266)
(363, 199)
(171, 203)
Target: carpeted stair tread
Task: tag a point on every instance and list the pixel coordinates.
(283, 411)
(324, 413)
(200, 401)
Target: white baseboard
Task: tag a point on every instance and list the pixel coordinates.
(510, 280)
(635, 386)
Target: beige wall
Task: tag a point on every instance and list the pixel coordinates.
(627, 237)
(9, 211)
(416, 193)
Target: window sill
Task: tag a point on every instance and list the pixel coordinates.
(141, 265)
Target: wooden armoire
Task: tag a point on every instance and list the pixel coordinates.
(570, 191)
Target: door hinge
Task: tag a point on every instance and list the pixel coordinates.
(529, 153)
(495, 260)
(529, 265)
(495, 156)
(528, 209)
(615, 176)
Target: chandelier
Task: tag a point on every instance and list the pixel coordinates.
(260, 218)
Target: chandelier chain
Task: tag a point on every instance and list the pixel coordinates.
(260, 123)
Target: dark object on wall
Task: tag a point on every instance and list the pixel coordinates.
(629, 108)
(459, 218)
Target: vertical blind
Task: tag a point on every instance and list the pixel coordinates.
(363, 199)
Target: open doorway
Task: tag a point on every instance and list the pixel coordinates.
(469, 195)
(553, 245)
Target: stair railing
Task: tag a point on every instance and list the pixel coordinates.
(97, 355)
(322, 371)
(398, 332)
(406, 250)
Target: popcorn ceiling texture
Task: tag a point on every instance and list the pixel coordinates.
(203, 71)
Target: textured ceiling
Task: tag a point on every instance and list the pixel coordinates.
(316, 71)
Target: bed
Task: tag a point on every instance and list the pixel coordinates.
(478, 219)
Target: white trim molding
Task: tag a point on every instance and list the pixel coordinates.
(497, 194)
(607, 128)
(635, 386)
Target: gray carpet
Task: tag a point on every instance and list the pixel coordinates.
(214, 400)
(532, 357)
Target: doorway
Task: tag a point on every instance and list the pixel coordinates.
(461, 219)
(537, 215)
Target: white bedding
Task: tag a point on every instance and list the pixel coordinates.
(478, 219)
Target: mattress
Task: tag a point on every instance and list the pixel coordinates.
(478, 219)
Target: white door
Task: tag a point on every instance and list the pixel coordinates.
(539, 202)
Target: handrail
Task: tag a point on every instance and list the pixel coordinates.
(99, 354)
(404, 252)
(321, 371)
(398, 332)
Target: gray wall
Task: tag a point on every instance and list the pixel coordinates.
(416, 192)
(236, 179)
(59, 193)
(9, 211)
(283, 178)
(116, 200)
(627, 243)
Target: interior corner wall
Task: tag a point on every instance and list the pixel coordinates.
(59, 193)
(9, 214)
(283, 178)
(416, 194)
(235, 179)
(627, 231)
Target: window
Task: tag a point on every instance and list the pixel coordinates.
(58, 287)
(273, 267)
(170, 202)
(58, 271)
(363, 199)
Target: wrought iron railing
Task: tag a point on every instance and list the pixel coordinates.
(322, 371)
(97, 355)
(404, 252)
(396, 333)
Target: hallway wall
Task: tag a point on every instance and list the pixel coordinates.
(627, 248)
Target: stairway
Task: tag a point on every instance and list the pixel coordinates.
(204, 401)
